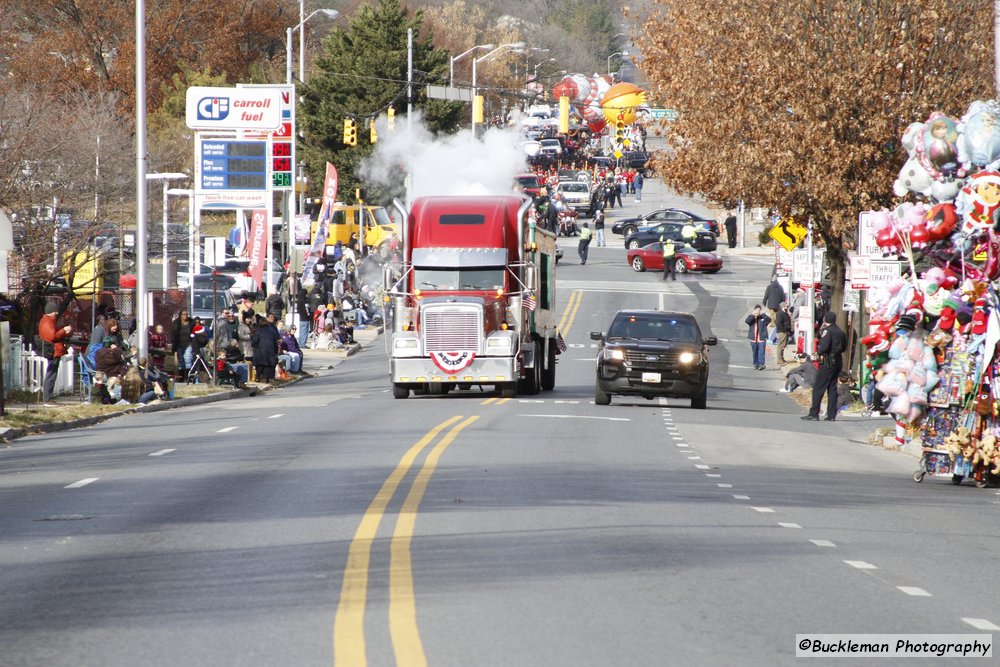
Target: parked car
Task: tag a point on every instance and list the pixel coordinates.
(575, 194)
(635, 159)
(687, 259)
(236, 267)
(528, 184)
(551, 147)
(704, 240)
(209, 303)
(652, 353)
(627, 226)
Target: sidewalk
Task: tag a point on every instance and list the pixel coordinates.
(315, 363)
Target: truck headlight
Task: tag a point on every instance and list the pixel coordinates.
(405, 345)
(687, 357)
(500, 343)
(614, 354)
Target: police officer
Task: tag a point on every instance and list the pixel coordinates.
(832, 343)
(689, 233)
(669, 257)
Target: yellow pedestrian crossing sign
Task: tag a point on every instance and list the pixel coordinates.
(788, 233)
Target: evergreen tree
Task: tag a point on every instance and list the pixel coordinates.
(361, 74)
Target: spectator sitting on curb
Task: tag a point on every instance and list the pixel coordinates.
(803, 375)
(327, 339)
(845, 396)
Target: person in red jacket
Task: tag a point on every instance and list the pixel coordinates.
(52, 349)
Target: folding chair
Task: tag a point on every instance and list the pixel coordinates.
(86, 377)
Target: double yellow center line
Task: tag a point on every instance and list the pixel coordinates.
(569, 315)
(348, 625)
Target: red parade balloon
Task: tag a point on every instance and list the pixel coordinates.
(941, 220)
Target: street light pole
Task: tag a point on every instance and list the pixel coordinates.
(332, 14)
(517, 47)
(617, 53)
(451, 66)
(166, 178)
(142, 317)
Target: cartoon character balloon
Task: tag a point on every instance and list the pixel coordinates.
(979, 135)
(622, 99)
(979, 202)
(585, 93)
(932, 166)
(940, 152)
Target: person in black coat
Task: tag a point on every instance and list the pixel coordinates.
(784, 331)
(265, 349)
(832, 344)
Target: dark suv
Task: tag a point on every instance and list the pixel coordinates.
(653, 353)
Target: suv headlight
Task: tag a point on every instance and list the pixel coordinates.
(614, 354)
(687, 357)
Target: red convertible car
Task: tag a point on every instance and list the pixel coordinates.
(687, 259)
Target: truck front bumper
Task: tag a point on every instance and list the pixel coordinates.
(482, 370)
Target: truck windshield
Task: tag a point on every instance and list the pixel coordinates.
(458, 279)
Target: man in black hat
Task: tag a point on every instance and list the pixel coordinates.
(832, 344)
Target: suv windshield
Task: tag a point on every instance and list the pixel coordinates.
(651, 327)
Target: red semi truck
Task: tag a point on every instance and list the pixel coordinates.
(475, 303)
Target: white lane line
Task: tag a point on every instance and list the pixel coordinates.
(566, 402)
(280, 414)
(82, 482)
(861, 565)
(530, 400)
(767, 510)
(788, 525)
(610, 419)
(914, 591)
(712, 474)
(981, 624)
(694, 458)
(227, 429)
(162, 452)
(681, 444)
(724, 486)
(823, 543)
(702, 466)
(676, 437)
(740, 497)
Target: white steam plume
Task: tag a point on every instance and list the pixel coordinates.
(456, 164)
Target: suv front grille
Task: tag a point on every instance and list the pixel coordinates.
(639, 359)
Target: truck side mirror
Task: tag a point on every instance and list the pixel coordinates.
(387, 278)
(596, 335)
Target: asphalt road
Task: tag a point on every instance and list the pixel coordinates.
(330, 524)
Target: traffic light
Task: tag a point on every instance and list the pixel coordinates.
(620, 129)
(564, 115)
(477, 109)
(372, 135)
(392, 118)
(350, 132)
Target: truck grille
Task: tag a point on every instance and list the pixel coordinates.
(452, 330)
(652, 359)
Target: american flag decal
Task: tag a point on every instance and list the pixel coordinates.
(560, 343)
(530, 303)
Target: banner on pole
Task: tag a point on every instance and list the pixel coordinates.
(258, 237)
(318, 248)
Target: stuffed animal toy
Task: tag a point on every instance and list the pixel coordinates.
(979, 135)
(938, 339)
(949, 311)
(940, 221)
(956, 441)
(980, 317)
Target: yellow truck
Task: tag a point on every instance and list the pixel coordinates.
(344, 221)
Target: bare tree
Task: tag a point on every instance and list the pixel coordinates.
(799, 106)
